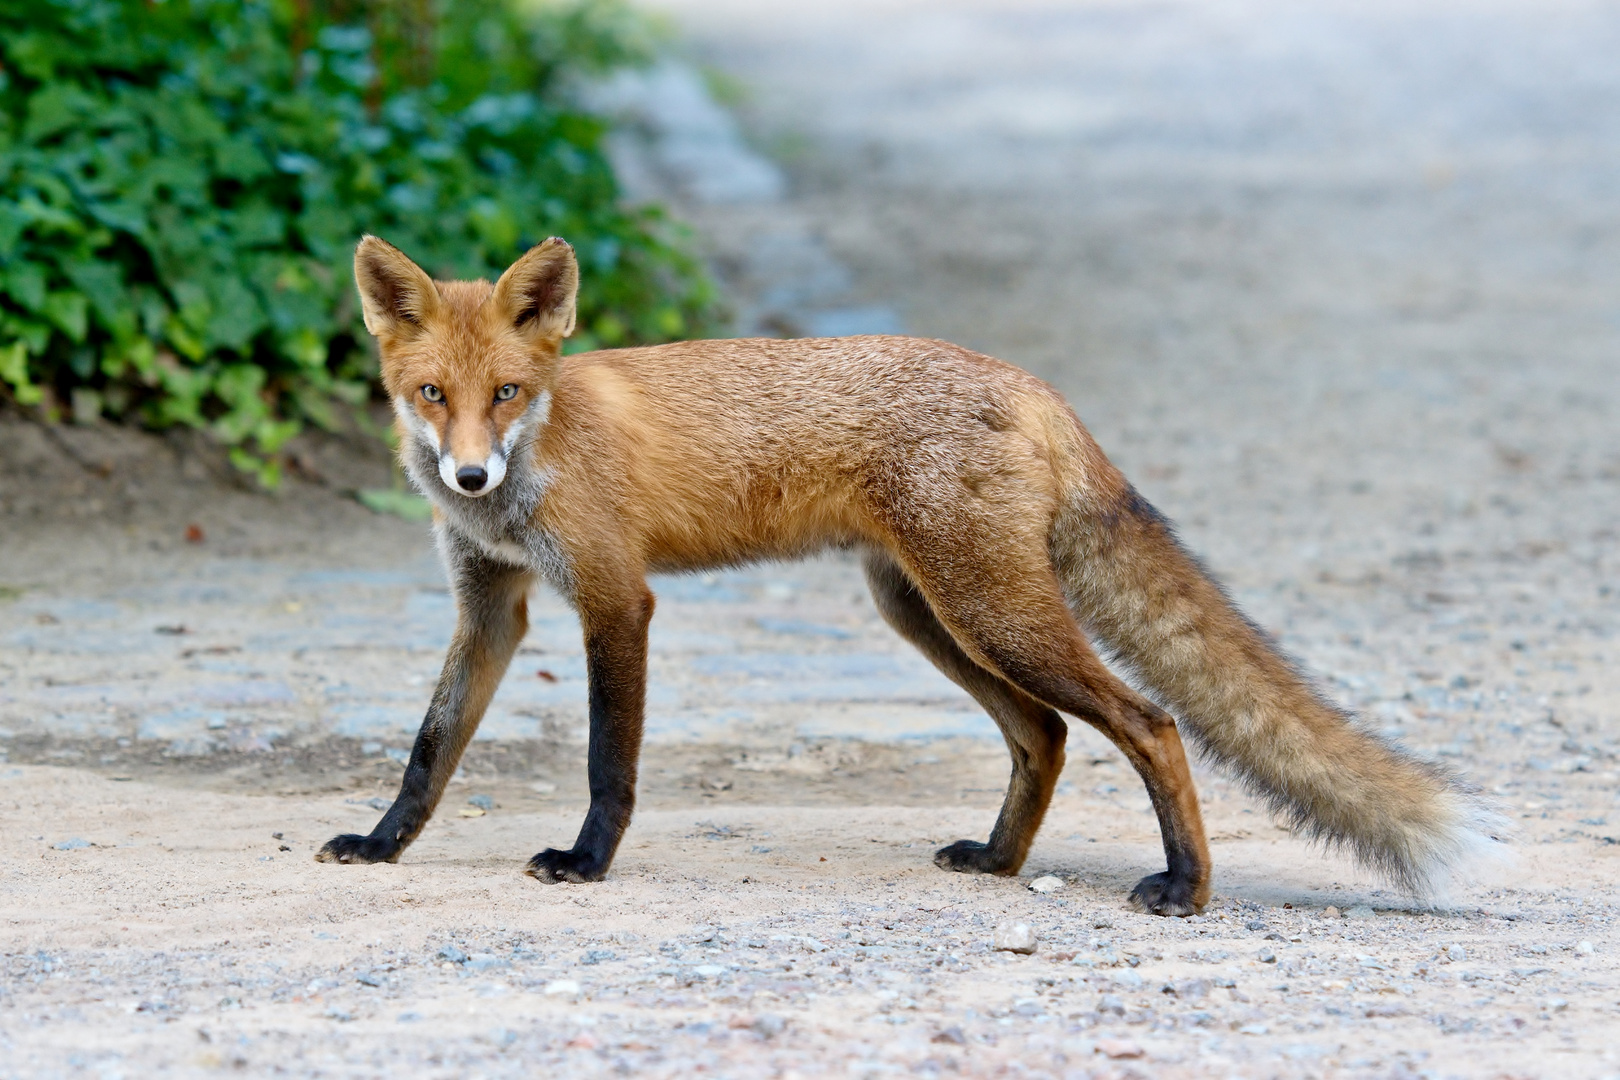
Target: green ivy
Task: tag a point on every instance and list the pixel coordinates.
(182, 183)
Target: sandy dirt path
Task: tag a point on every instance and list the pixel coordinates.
(1337, 288)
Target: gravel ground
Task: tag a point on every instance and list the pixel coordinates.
(1335, 286)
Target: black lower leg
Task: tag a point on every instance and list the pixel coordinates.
(492, 618)
(616, 661)
(404, 820)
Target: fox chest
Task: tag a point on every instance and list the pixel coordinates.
(509, 535)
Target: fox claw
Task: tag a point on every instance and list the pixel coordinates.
(971, 857)
(552, 866)
(352, 848)
(1162, 894)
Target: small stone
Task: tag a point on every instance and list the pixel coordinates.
(1361, 912)
(543, 787)
(1190, 989)
(1111, 1003)
(1015, 937)
(368, 978)
(483, 802)
(1255, 924)
(1585, 948)
(708, 971)
(769, 1025)
(561, 988)
(1330, 912)
(471, 811)
(952, 1035)
(72, 844)
(597, 956)
(1267, 956)
(1047, 884)
(1118, 1048)
(1456, 953)
(583, 1041)
(453, 955)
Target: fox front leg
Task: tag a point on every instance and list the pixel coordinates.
(616, 665)
(492, 617)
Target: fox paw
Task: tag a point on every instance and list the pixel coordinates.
(552, 866)
(1161, 894)
(971, 857)
(351, 848)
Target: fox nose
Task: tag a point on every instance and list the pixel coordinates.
(471, 477)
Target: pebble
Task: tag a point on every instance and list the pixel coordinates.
(769, 1025)
(483, 802)
(543, 787)
(1362, 912)
(1456, 953)
(952, 1035)
(1330, 912)
(72, 844)
(452, 954)
(1047, 884)
(1585, 948)
(562, 987)
(1015, 937)
(1119, 1048)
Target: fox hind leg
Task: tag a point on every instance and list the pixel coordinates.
(1034, 732)
(1012, 620)
(492, 617)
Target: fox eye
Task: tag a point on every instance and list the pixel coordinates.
(432, 393)
(507, 392)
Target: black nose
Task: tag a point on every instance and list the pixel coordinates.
(471, 477)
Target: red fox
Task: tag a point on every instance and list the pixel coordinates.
(997, 539)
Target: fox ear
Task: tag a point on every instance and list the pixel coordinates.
(537, 293)
(395, 294)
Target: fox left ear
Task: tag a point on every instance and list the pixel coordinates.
(537, 294)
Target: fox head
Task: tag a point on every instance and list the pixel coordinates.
(469, 365)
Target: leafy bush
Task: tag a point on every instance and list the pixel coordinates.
(182, 183)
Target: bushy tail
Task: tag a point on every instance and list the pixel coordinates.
(1134, 587)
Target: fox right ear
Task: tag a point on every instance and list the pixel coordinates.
(395, 294)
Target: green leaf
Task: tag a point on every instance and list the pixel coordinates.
(14, 370)
(70, 311)
(55, 109)
(404, 504)
(25, 285)
(32, 333)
